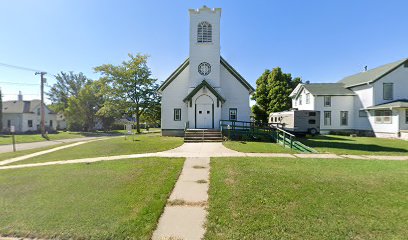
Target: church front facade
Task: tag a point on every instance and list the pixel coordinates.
(205, 88)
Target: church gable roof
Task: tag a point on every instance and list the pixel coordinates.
(236, 75)
(223, 62)
(201, 85)
(174, 74)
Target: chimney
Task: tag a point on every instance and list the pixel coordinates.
(20, 96)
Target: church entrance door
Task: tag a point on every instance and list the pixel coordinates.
(204, 112)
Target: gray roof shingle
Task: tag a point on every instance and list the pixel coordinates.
(20, 106)
(371, 75)
(331, 89)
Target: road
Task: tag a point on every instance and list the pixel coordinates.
(26, 146)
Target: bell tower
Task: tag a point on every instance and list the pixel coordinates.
(205, 46)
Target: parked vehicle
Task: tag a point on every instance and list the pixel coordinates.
(298, 122)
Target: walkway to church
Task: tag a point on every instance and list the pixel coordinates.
(186, 211)
(208, 150)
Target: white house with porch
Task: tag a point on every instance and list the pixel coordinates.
(373, 102)
(205, 88)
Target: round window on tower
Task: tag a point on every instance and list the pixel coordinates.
(204, 68)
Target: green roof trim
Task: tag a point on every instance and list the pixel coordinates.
(400, 103)
(237, 75)
(223, 63)
(201, 85)
(371, 75)
(174, 74)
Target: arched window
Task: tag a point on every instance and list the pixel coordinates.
(204, 32)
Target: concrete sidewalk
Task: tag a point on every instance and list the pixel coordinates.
(185, 214)
(208, 150)
(24, 157)
(33, 145)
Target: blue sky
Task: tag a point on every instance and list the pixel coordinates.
(319, 41)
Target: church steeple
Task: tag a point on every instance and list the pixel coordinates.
(205, 46)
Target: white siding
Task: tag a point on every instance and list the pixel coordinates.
(399, 77)
(236, 95)
(304, 106)
(205, 52)
(172, 97)
(338, 104)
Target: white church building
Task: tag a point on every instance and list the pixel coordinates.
(205, 88)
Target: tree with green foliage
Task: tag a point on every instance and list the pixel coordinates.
(260, 109)
(1, 112)
(131, 86)
(68, 85)
(272, 93)
(81, 111)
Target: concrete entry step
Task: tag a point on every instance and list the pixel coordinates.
(202, 135)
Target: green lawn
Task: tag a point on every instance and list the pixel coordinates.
(8, 155)
(269, 198)
(357, 145)
(104, 200)
(257, 147)
(144, 143)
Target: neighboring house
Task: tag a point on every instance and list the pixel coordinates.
(205, 88)
(374, 102)
(61, 122)
(25, 115)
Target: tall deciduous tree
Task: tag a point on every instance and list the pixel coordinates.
(260, 109)
(272, 93)
(68, 85)
(132, 85)
(81, 110)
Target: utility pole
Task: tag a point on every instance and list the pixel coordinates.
(43, 80)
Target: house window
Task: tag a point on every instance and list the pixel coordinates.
(50, 123)
(233, 114)
(300, 99)
(8, 123)
(327, 101)
(383, 116)
(177, 114)
(307, 98)
(388, 91)
(30, 123)
(406, 116)
(327, 118)
(38, 112)
(343, 118)
(362, 113)
(204, 32)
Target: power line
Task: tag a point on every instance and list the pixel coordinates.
(19, 67)
(16, 83)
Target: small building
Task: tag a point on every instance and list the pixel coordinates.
(373, 102)
(205, 88)
(25, 116)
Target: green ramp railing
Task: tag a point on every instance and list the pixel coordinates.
(240, 130)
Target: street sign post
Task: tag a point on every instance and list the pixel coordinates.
(13, 130)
